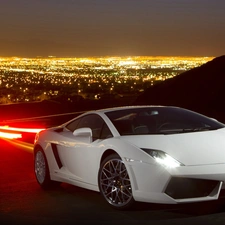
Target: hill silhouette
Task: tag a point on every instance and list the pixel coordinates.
(201, 89)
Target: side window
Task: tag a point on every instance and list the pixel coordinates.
(96, 123)
(73, 125)
(106, 133)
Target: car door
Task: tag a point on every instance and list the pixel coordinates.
(80, 156)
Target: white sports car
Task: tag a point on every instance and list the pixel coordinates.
(136, 153)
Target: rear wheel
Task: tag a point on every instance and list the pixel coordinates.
(41, 169)
(114, 183)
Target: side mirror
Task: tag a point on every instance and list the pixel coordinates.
(84, 133)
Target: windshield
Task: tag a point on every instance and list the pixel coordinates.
(160, 120)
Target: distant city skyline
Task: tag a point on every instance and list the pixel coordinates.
(86, 28)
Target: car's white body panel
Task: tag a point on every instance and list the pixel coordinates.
(201, 153)
(189, 148)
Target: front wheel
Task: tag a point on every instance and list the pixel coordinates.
(114, 183)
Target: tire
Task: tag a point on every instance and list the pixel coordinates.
(114, 183)
(41, 169)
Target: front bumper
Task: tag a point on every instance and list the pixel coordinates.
(156, 184)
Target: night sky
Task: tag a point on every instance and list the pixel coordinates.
(83, 28)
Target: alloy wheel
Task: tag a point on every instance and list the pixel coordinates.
(40, 167)
(115, 183)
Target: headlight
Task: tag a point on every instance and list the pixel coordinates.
(163, 158)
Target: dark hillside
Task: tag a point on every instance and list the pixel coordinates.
(201, 89)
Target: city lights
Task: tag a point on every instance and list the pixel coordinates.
(37, 79)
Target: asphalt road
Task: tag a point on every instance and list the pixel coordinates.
(22, 201)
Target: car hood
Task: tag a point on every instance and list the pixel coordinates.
(196, 148)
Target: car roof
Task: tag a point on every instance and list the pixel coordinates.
(128, 107)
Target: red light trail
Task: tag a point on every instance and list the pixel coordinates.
(16, 133)
(29, 130)
(10, 135)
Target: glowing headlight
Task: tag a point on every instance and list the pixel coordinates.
(163, 158)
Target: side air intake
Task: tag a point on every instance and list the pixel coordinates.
(56, 155)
